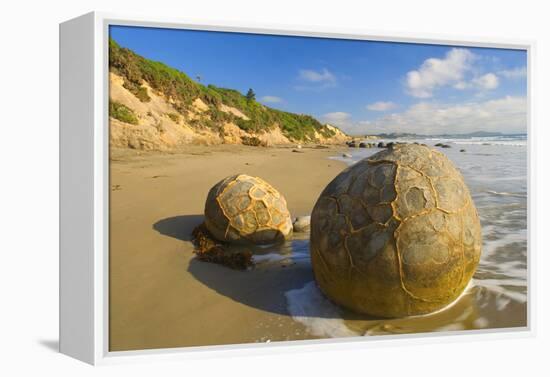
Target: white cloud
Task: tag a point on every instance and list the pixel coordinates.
(271, 99)
(435, 73)
(488, 81)
(381, 106)
(323, 75)
(456, 69)
(316, 79)
(461, 85)
(507, 114)
(337, 118)
(514, 73)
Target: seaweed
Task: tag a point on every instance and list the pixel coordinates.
(207, 249)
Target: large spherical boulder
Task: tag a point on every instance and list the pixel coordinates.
(396, 234)
(245, 209)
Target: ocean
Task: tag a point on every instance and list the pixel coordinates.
(495, 170)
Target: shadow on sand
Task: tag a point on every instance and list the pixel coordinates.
(178, 227)
(262, 287)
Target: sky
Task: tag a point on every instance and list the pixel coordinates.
(364, 87)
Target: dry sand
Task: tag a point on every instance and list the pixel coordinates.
(159, 295)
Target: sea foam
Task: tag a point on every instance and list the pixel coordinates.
(321, 317)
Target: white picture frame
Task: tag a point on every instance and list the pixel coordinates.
(84, 190)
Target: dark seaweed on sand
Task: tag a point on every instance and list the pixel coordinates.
(207, 249)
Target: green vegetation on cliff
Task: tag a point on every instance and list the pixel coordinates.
(183, 91)
(122, 113)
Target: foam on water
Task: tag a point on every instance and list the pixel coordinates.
(321, 317)
(507, 194)
(511, 140)
(497, 288)
(308, 306)
(481, 322)
(503, 142)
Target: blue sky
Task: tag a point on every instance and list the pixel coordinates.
(362, 86)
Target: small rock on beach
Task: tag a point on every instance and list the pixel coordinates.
(301, 224)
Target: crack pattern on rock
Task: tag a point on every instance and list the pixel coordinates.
(245, 209)
(390, 233)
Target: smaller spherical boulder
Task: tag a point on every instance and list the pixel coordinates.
(244, 209)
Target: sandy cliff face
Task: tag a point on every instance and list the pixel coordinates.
(339, 137)
(161, 127)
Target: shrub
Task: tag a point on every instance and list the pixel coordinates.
(175, 117)
(142, 94)
(253, 141)
(122, 113)
(219, 116)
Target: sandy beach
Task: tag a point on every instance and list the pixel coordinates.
(159, 295)
(162, 297)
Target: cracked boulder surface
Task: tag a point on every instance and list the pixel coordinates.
(243, 209)
(397, 234)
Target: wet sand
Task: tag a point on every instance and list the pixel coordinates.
(160, 296)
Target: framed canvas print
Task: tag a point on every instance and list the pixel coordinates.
(228, 188)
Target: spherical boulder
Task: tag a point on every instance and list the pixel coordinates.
(245, 209)
(397, 234)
